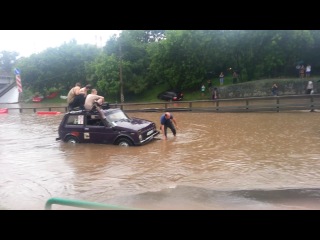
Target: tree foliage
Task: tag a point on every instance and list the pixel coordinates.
(7, 62)
(179, 58)
(58, 68)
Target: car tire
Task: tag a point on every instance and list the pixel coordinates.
(124, 142)
(72, 139)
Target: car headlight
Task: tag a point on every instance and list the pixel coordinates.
(140, 137)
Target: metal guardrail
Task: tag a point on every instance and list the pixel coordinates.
(83, 204)
(35, 109)
(250, 104)
(269, 103)
(7, 88)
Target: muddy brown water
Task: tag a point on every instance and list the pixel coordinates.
(217, 161)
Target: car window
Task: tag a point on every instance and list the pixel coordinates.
(75, 120)
(171, 94)
(94, 120)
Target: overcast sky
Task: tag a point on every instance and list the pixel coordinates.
(27, 42)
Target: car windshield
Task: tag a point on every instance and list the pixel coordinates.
(116, 116)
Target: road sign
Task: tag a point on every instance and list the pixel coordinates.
(17, 71)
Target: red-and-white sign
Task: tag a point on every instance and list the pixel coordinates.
(18, 81)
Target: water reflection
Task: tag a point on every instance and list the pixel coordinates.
(217, 161)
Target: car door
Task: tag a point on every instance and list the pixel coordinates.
(73, 125)
(168, 96)
(164, 96)
(96, 132)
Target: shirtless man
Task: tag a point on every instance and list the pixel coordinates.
(85, 89)
(92, 98)
(72, 94)
(79, 97)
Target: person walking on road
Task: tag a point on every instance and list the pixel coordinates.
(203, 89)
(274, 89)
(309, 89)
(221, 77)
(308, 71)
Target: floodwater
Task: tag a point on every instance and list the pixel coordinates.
(217, 161)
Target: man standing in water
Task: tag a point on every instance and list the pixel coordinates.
(168, 121)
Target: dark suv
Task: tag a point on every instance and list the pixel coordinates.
(171, 95)
(111, 126)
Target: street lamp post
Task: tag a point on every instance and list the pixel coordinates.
(120, 71)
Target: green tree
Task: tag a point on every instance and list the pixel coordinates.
(58, 68)
(7, 62)
(130, 48)
(181, 61)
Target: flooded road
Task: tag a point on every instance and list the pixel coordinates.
(217, 161)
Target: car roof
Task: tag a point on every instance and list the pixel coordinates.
(174, 90)
(84, 112)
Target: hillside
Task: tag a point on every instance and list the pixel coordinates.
(258, 88)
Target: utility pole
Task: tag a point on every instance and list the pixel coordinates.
(120, 70)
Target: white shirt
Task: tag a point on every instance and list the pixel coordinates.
(308, 69)
(310, 85)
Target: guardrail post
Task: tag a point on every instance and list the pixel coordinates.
(312, 106)
(247, 104)
(278, 102)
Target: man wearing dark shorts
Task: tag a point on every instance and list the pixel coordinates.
(168, 121)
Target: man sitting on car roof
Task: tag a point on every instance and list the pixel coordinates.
(93, 98)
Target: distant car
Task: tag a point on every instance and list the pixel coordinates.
(171, 95)
(111, 126)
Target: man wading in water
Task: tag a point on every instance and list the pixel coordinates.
(168, 121)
